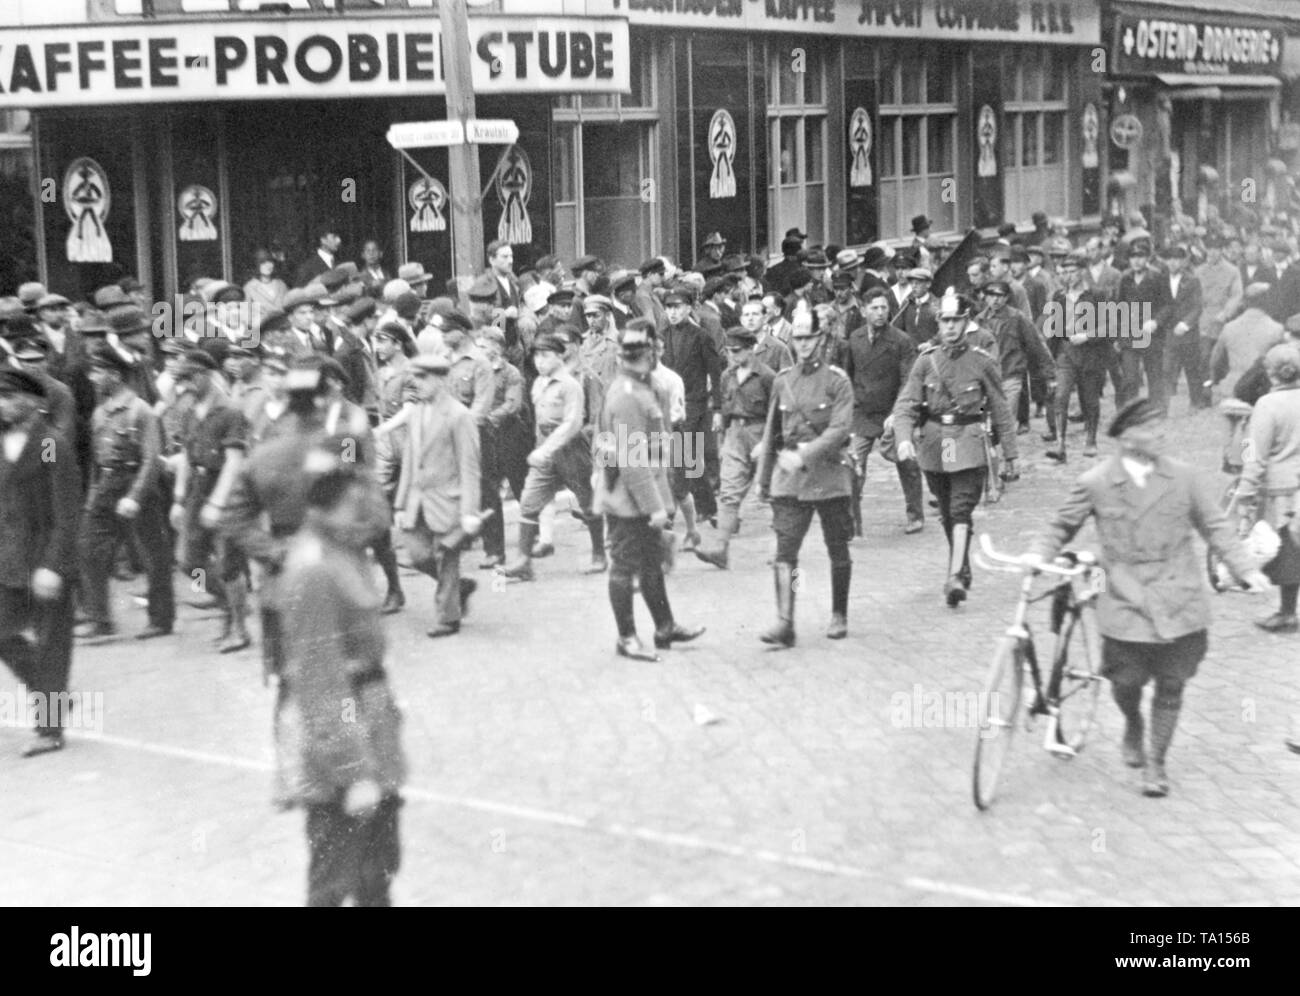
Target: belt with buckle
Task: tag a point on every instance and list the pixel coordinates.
(955, 418)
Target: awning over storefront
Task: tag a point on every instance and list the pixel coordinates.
(1213, 83)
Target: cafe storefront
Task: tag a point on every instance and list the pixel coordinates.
(173, 149)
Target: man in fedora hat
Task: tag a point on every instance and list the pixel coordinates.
(712, 250)
(778, 275)
(921, 226)
(125, 496)
(301, 305)
(39, 502)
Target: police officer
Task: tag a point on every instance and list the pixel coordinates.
(805, 469)
(561, 458)
(746, 397)
(126, 439)
(630, 451)
(950, 389)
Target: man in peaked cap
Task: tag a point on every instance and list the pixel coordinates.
(126, 496)
(631, 451)
(950, 390)
(39, 502)
(1153, 612)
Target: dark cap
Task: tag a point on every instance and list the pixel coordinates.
(791, 247)
(920, 223)
(93, 323)
(111, 296)
(714, 239)
(1173, 252)
(842, 280)
(105, 356)
(734, 263)
(1136, 412)
(874, 257)
(997, 287)
(430, 363)
(623, 282)
(715, 285)
(635, 342)
(738, 336)
(1019, 254)
(457, 320)
(359, 310)
(20, 382)
(586, 263)
(816, 260)
(799, 278)
(30, 350)
(564, 295)
(677, 296)
(128, 320)
(197, 362)
(652, 265)
(19, 326)
(548, 342)
(484, 289)
(1078, 258)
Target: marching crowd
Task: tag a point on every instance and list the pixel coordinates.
(271, 438)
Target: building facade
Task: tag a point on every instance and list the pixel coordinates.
(179, 136)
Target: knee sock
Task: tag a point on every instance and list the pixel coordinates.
(1289, 592)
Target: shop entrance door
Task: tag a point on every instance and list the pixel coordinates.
(297, 166)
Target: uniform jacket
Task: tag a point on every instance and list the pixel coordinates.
(440, 466)
(689, 350)
(1155, 575)
(474, 384)
(631, 452)
(336, 722)
(877, 372)
(962, 383)
(40, 500)
(773, 352)
(812, 413)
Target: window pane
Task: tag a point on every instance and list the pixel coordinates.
(597, 101)
(1032, 76)
(814, 160)
(888, 152)
(888, 71)
(787, 81)
(611, 160)
(1053, 139)
(942, 210)
(1057, 74)
(563, 168)
(812, 80)
(642, 94)
(1028, 139)
(912, 78)
(911, 146)
(814, 216)
(788, 154)
(939, 74)
(939, 144)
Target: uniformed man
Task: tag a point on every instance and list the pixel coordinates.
(214, 441)
(600, 345)
(125, 495)
(767, 349)
(951, 389)
(746, 398)
(561, 458)
(630, 451)
(805, 469)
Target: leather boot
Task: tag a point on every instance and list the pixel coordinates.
(1129, 700)
(1155, 783)
(728, 519)
(1057, 452)
(237, 605)
(522, 569)
(953, 589)
(840, 577)
(782, 634)
(596, 530)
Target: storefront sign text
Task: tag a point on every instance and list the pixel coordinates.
(1188, 44)
(308, 58)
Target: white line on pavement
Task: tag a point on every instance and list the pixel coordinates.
(647, 834)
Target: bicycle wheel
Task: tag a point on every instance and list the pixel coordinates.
(998, 706)
(1079, 657)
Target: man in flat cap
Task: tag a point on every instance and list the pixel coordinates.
(1154, 611)
(125, 496)
(1000, 269)
(622, 292)
(1180, 325)
(689, 350)
(1142, 351)
(647, 303)
(917, 317)
(600, 338)
(631, 453)
(213, 443)
(438, 497)
(39, 503)
(1074, 319)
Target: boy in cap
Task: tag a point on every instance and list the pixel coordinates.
(214, 441)
(125, 495)
(632, 492)
(39, 501)
(1153, 612)
(561, 458)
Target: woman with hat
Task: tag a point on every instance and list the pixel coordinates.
(1153, 612)
(1270, 479)
(265, 289)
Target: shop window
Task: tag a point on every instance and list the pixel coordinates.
(1036, 174)
(797, 129)
(918, 127)
(603, 153)
(17, 195)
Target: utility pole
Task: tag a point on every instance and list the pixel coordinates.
(462, 159)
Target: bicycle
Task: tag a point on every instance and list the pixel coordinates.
(1069, 700)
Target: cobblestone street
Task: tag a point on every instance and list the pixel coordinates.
(545, 770)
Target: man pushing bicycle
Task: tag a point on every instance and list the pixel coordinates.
(1154, 609)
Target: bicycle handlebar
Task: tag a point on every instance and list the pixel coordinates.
(1078, 562)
